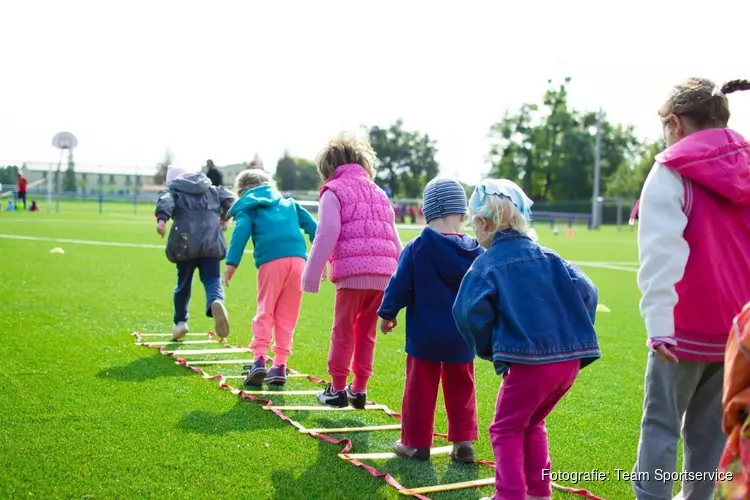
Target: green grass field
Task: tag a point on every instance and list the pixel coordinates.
(88, 414)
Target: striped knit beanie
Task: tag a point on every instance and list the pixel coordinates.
(443, 197)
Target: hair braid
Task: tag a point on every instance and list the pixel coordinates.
(735, 86)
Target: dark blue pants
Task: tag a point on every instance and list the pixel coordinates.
(209, 271)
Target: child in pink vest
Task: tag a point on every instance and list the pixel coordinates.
(693, 245)
(357, 233)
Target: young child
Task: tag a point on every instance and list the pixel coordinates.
(357, 232)
(532, 314)
(273, 223)
(426, 282)
(196, 241)
(736, 457)
(693, 243)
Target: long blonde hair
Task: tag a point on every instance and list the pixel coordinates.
(345, 149)
(504, 215)
(251, 178)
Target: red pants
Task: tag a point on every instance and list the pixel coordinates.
(355, 318)
(420, 399)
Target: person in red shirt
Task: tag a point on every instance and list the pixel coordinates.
(21, 192)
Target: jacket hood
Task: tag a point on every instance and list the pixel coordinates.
(191, 183)
(451, 255)
(718, 159)
(264, 195)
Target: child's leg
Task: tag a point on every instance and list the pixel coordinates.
(210, 275)
(703, 435)
(345, 313)
(668, 390)
(287, 310)
(271, 276)
(536, 446)
(183, 290)
(460, 401)
(420, 399)
(365, 336)
(524, 394)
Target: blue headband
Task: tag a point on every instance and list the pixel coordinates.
(503, 188)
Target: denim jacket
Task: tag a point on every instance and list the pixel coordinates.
(523, 303)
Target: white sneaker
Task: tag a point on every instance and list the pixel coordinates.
(179, 330)
(221, 319)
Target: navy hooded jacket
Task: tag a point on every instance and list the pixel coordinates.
(426, 283)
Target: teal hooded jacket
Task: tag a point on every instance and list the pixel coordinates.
(273, 223)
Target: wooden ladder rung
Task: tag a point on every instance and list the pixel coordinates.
(476, 483)
(225, 350)
(322, 408)
(222, 362)
(385, 456)
(369, 428)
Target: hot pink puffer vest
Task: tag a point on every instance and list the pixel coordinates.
(366, 242)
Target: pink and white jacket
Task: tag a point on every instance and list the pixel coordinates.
(694, 243)
(356, 232)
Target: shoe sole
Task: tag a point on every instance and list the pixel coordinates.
(357, 406)
(331, 405)
(275, 380)
(179, 335)
(221, 319)
(463, 460)
(417, 456)
(256, 378)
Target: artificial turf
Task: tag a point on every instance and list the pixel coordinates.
(88, 414)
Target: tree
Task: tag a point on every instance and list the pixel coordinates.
(627, 181)
(406, 159)
(308, 178)
(9, 175)
(69, 177)
(286, 173)
(549, 149)
(160, 177)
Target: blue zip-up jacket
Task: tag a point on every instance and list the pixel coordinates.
(523, 303)
(426, 282)
(273, 223)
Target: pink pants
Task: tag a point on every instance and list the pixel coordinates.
(519, 435)
(279, 300)
(355, 318)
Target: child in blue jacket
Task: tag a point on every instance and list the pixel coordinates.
(426, 282)
(273, 222)
(532, 314)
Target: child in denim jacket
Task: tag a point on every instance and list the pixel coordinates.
(532, 314)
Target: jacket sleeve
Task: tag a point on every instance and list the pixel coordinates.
(662, 249)
(329, 228)
(226, 200)
(243, 230)
(164, 206)
(306, 222)
(586, 289)
(399, 292)
(475, 312)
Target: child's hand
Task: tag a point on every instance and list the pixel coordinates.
(223, 224)
(161, 228)
(228, 274)
(387, 325)
(665, 355)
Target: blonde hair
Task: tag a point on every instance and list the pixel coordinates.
(504, 215)
(702, 102)
(251, 178)
(345, 149)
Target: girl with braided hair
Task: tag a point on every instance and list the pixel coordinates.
(694, 276)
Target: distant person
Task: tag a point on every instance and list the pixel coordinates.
(693, 246)
(426, 283)
(357, 232)
(10, 206)
(21, 185)
(196, 241)
(272, 222)
(388, 192)
(34, 206)
(217, 179)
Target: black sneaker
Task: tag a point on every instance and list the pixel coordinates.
(256, 373)
(276, 375)
(333, 399)
(356, 400)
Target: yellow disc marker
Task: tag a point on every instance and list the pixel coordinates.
(57, 250)
(602, 308)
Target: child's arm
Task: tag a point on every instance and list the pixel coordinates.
(399, 292)
(164, 206)
(243, 230)
(586, 289)
(475, 312)
(662, 250)
(306, 222)
(397, 238)
(226, 200)
(329, 228)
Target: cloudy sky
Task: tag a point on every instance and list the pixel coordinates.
(227, 79)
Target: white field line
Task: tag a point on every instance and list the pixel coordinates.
(617, 266)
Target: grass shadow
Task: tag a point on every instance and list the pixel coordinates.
(143, 369)
(244, 416)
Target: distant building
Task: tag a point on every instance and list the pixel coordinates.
(231, 171)
(95, 179)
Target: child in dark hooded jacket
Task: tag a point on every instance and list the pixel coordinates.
(426, 283)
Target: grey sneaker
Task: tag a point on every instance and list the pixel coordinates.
(221, 319)
(404, 451)
(463, 452)
(179, 331)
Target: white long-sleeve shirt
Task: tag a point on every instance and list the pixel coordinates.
(662, 249)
